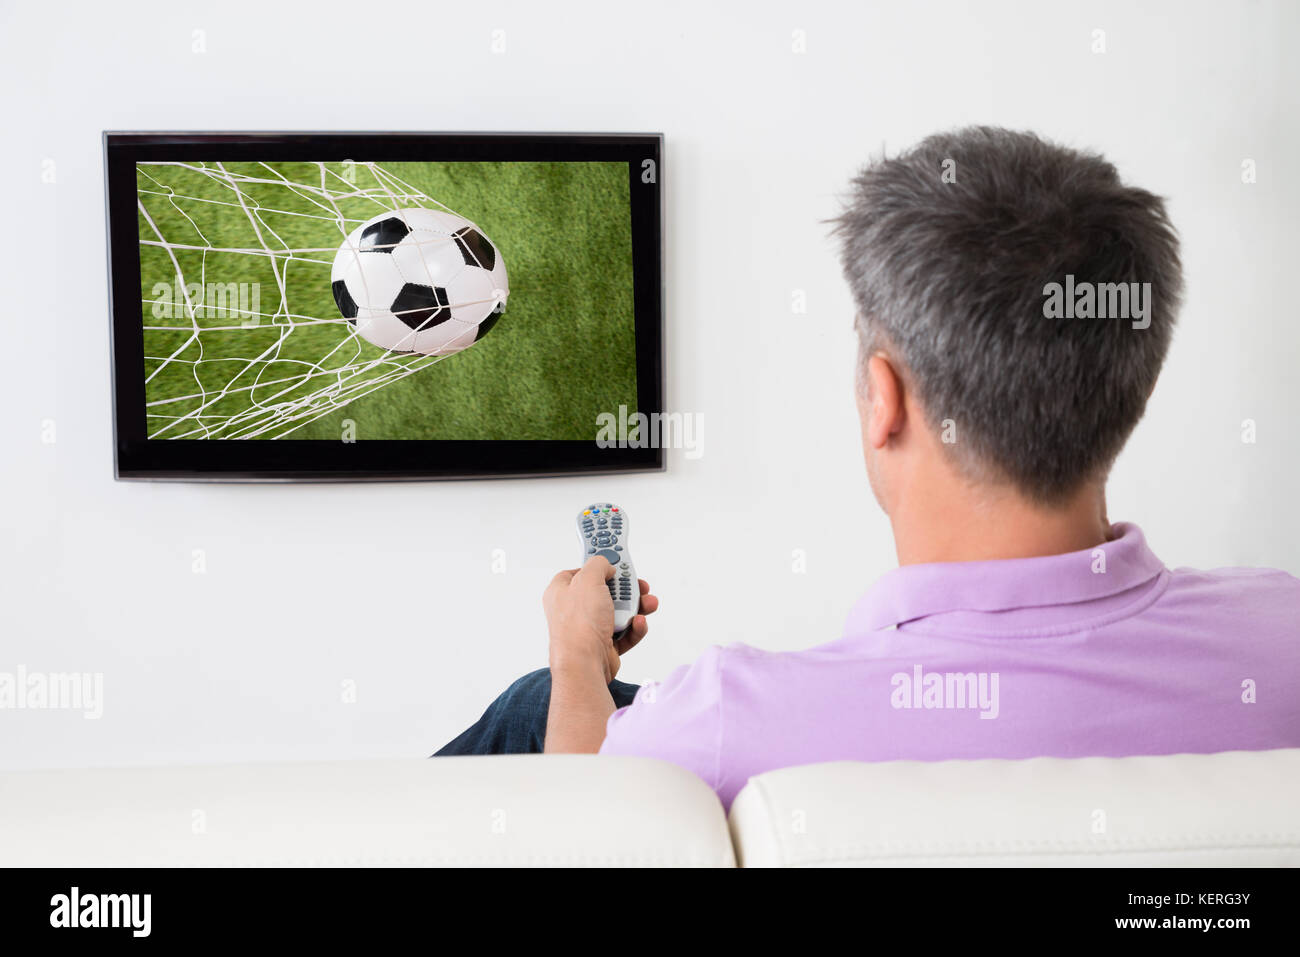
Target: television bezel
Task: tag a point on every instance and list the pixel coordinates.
(137, 457)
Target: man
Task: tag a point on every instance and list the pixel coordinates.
(1015, 303)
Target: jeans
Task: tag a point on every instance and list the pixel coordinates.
(516, 722)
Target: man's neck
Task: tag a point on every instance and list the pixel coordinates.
(958, 523)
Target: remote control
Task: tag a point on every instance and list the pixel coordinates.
(603, 531)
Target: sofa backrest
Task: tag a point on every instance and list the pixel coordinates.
(516, 811)
(1234, 808)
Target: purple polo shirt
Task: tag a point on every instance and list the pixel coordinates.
(1098, 652)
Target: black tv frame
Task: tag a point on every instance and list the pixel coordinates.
(298, 460)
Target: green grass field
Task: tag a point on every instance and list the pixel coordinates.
(562, 352)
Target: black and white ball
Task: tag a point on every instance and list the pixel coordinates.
(419, 280)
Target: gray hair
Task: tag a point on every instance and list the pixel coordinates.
(949, 249)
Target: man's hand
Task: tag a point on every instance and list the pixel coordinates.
(584, 659)
(580, 617)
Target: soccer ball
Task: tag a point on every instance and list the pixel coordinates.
(419, 280)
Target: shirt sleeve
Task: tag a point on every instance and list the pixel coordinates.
(678, 719)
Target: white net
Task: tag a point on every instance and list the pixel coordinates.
(242, 337)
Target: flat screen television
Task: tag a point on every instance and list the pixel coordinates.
(349, 306)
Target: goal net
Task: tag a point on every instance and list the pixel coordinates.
(242, 337)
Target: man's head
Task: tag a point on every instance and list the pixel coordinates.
(948, 249)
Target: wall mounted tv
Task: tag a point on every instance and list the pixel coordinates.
(341, 306)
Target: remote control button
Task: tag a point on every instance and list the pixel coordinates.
(609, 556)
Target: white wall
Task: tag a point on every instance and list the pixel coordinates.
(390, 585)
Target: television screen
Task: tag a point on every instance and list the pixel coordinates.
(351, 306)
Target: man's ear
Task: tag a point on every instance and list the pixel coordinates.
(885, 412)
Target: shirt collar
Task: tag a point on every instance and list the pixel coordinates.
(917, 591)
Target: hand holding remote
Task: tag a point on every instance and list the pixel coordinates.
(603, 530)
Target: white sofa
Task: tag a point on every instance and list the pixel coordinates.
(1233, 808)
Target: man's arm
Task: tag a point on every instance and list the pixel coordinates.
(580, 619)
(580, 708)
